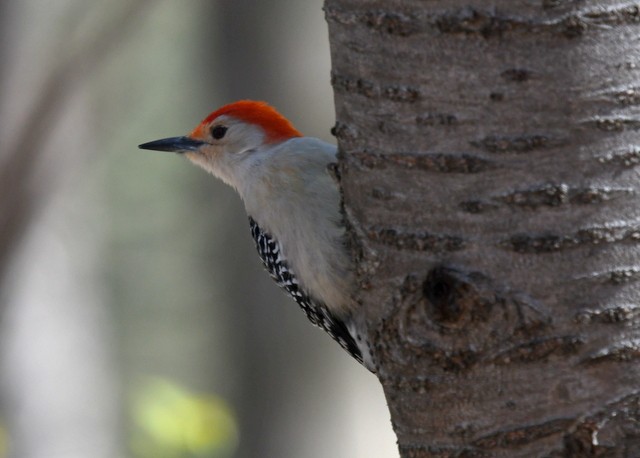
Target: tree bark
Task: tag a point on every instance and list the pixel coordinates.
(488, 163)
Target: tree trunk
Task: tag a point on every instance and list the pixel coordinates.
(488, 166)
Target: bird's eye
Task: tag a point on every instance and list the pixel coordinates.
(218, 132)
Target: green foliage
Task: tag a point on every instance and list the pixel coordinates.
(171, 422)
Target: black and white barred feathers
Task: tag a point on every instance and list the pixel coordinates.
(319, 315)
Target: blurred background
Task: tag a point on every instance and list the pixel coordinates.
(135, 317)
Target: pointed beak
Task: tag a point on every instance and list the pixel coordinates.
(173, 144)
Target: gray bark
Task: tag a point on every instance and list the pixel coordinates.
(488, 167)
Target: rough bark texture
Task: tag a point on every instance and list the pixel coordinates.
(489, 169)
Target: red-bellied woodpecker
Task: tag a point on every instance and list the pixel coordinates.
(293, 205)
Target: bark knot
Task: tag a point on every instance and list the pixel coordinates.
(451, 318)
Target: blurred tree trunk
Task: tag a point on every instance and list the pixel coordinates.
(262, 387)
(488, 165)
(58, 390)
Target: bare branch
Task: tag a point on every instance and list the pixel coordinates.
(18, 197)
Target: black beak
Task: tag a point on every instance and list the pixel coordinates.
(173, 144)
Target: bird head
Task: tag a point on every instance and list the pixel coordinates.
(227, 139)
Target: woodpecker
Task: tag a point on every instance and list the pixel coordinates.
(293, 205)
